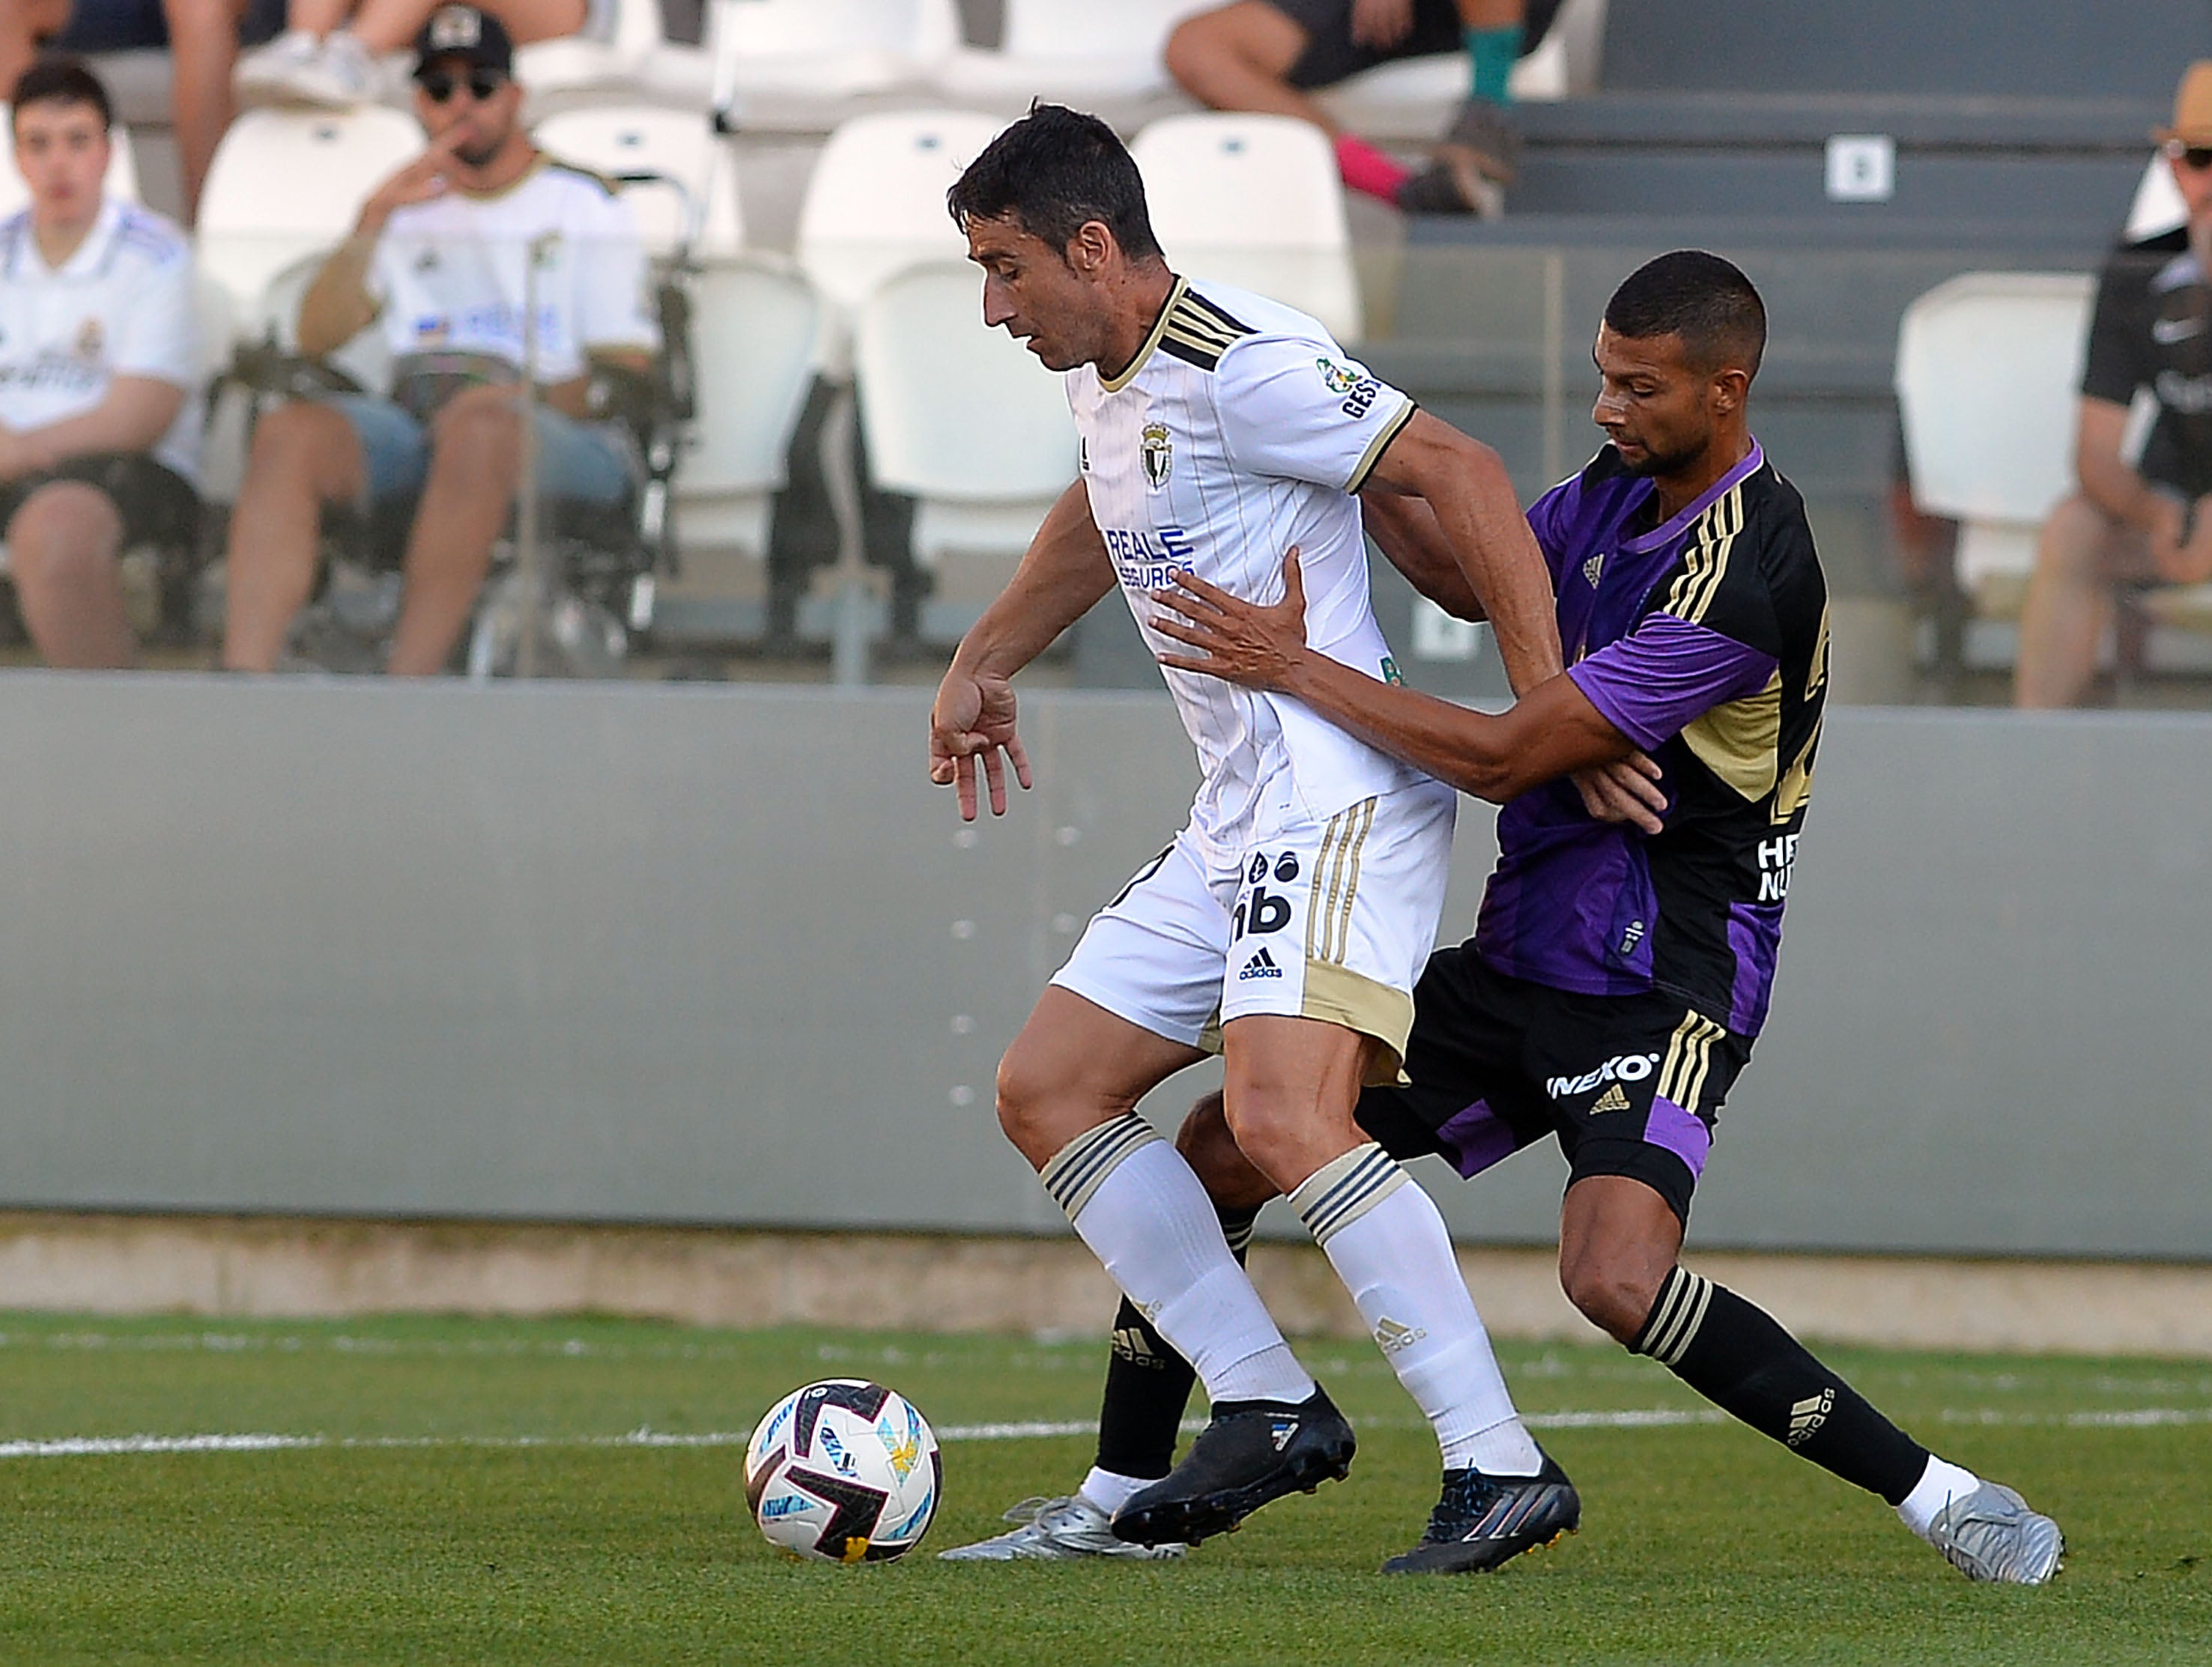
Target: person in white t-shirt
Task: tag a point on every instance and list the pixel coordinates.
(97, 354)
(1284, 925)
(447, 258)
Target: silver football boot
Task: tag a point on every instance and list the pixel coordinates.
(1991, 1535)
(1057, 1531)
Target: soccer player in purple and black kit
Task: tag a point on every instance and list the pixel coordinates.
(1619, 971)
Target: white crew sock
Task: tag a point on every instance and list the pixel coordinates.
(1387, 1242)
(1138, 1204)
(1939, 1484)
(1110, 1491)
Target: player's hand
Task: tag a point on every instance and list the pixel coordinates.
(429, 175)
(1628, 789)
(1379, 25)
(1240, 641)
(973, 720)
(2186, 562)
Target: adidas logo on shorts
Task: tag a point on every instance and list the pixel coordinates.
(1262, 966)
(1612, 1100)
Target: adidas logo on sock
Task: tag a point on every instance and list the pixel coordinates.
(1283, 1431)
(1612, 1100)
(1808, 1415)
(1262, 966)
(1390, 1336)
(1129, 1343)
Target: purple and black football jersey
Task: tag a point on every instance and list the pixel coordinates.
(1705, 642)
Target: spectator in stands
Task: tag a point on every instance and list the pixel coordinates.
(2140, 517)
(201, 37)
(97, 358)
(328, 50)
(444, 255)
(1269, 55)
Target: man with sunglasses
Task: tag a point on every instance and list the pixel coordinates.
(2139, 517)
(448, 258)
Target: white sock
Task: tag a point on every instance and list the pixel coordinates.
(1110, 1491)
(1939, 1484)
(1387, 1242)
(1138, 1204)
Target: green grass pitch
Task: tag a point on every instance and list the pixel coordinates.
(471, 1498)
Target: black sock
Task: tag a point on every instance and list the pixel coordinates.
(1148, 1384)
(1736, 1356)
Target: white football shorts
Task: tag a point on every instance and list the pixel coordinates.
(1330, 921)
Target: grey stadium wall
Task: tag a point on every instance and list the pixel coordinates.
(720, 954)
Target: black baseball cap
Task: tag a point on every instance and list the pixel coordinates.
(476, 38)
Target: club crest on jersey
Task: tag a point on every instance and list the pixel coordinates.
(1158, 453)
(90, 338)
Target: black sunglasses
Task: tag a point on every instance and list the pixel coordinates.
(2194, 158)
(441, 84)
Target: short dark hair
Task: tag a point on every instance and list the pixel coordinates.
(58, 78)
(1055, 170)
(1705, 300)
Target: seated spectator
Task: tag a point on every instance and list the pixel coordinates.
(2144, 520)
(98, 439)
(328, 50)
(1268, 55)
(440, 257)
(201, 37)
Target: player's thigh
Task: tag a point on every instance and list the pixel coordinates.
(1254, 34)
(1289, 1087)
(1334, 921)
(1634, 1085)
(1075, 1065)
(1152, 955)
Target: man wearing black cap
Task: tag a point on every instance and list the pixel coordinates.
(448, 258)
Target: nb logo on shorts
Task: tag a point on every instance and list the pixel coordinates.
(1262, 966)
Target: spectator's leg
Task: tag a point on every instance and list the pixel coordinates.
(1492, 30)
(304, 456)
(391, 25)
(476, 462)
(64, 549)
(203, 51)
(2069, 603)
(23, 24)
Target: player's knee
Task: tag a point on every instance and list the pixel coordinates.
(286, 435)
(479, 428)
(1220, 1164)
(1612, 1296)
(1194, 47)
(1033, 1105)
(2074, 539)
(64, 532)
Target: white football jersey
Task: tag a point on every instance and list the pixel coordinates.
(120, 306)
(449, 274)
(1240, 429)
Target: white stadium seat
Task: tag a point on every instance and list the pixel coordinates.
(1077, 54)
(875, 204)
(680, 146)
(753, 329)
(799, 63)
(121, 180)
(288, 183)
(609, 55)
(1256, 202)
(1988, 367)
(961, 416)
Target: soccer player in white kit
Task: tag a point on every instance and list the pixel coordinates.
(1286, 924)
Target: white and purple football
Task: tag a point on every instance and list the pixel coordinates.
(843, 1471)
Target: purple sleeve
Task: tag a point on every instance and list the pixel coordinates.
(1667, 673)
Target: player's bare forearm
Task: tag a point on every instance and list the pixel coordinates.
(1552, 731)
(1062, 575)
(137, 412)
(337, 305)
(1466, 486)
(1405, 531)
(2107, 479)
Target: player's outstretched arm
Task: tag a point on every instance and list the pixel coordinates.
(1406, 532)
(1465, 484)
(1064, 571)
(1552, 731)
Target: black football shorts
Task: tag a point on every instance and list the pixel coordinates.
(1332, 55)
(1629, 1084)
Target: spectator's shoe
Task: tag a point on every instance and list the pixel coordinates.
(1056, 1531)
(338, 73)
(1991, 1535)
(267, 70)
(1481, 1521)
(1471, 167)
(1250, 1452)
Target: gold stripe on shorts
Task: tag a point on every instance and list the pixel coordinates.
(1328, 912)
(1689, 1055)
